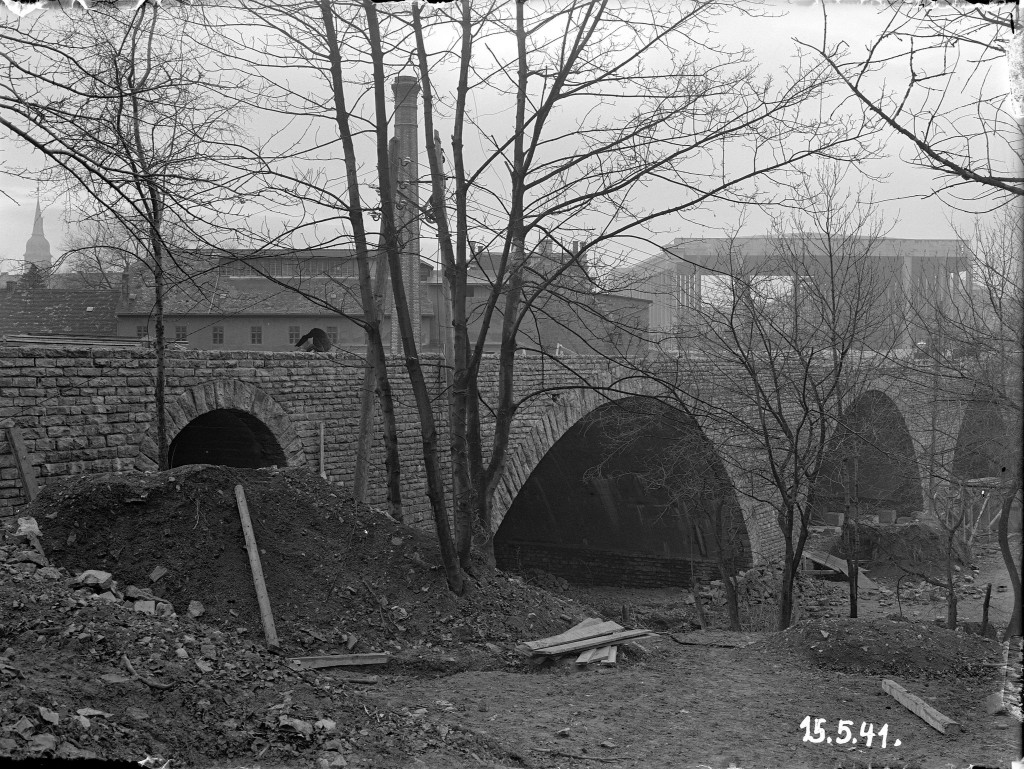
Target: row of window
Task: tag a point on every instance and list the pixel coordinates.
(255, 334)
(282, 268)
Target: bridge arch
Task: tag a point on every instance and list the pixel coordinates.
(226, 404)
(580, 499)
(982, 443)
(872, 456)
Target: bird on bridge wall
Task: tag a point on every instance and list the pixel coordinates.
(316, 340)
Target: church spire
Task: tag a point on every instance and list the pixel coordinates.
(37, 250)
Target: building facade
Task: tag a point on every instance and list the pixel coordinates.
(912, 274)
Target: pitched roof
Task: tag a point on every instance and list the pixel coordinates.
(245, 296)
(56, 311)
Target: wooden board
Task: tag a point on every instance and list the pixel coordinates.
(588, 628)
(338, 660)
(257, 568)
(726, 639)
(839, 565)
(598, 654)
(22, 459)
(920, 708)
(591, 643)
(613, 655)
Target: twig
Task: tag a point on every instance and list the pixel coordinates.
(577, 756)
(147, 681)
(380, 604)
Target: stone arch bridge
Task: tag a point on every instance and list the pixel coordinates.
(89, 410)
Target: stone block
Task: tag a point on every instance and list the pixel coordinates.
(96, 579)
(145, 607)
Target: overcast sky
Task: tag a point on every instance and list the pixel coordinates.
(913, 215)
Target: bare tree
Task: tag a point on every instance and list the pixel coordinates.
(129, 125)
(950, 109)
(974, 351)
(786, 345)
(561, 162)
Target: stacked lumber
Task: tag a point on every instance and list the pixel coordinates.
(594, 640)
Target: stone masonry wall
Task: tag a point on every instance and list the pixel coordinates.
(87, 410)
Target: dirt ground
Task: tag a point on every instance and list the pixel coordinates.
(206, 692)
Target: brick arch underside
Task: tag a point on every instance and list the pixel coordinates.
(539, 432)
(224, 394)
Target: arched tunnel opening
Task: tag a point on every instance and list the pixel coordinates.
(869, 462)
(229, 437)
(634, 495)
(982, 445)
(983, 463)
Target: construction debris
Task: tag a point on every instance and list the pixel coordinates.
(596, 639)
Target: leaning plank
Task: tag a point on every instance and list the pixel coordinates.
(592, 643)
(612, 658)
(338, 660)
(257, 568)
(598, 654)
(838, 565)
(920, 708)
(588, 628)
(22, 459)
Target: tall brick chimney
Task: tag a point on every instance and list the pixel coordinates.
(407, 202)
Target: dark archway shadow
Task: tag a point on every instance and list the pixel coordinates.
(229, 437)
(885, 475)
(632, 494)
(982, 444)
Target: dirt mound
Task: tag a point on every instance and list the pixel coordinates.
(915, 547)
(332, 566)
(208, 694)
(884, 648)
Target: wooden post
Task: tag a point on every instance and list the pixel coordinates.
(323, 471)
(984, 609)
(257, 569)
(850, 537)
(21, 458)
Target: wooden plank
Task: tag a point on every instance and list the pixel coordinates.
(613, 656)
(588, 628)
(837, 565)
(726, 639)
(23, 460)
(597, 654)
(338, 660)
(920, 708)
(591, 643)
(257, 568)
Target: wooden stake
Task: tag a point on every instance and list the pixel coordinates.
(920, 708)
(257, 568)
(21, 458)
(984, 609)
(323, 472)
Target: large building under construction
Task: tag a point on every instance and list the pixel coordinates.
(914, 277)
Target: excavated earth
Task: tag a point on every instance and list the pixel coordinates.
(84, 674)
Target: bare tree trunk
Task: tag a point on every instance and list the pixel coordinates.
(454, 268)
(360, 476)
(369, 294)
(402, 313)
(1014, 627)
(160, 395)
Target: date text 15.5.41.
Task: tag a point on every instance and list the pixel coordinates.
(844, 734)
